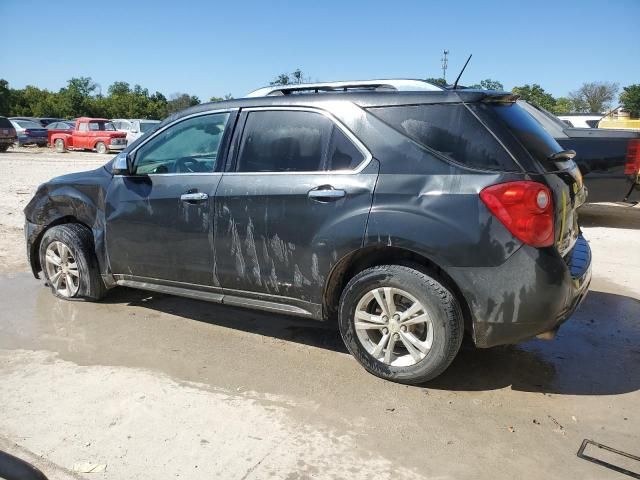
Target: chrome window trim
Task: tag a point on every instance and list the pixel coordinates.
(168, 125)
(349, 134)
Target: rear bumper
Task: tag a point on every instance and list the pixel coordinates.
(8, 140)
(535, 291)
(32, 140)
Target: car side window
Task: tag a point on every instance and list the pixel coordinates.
(83, 127)
(294, 141)
(190, 146)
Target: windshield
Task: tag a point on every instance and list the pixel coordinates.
(147, 126)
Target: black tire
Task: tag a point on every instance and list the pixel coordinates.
(79, 240)
(59, 145)
(443, 308)
(101, 148)
(3, 148)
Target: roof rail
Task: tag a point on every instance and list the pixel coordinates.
(400, 85)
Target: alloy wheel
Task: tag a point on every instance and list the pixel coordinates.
(62, 269)
(393, 326)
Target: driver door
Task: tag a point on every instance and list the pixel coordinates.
(159, 220)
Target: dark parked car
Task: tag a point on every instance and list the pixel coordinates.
(46, 121)
(62, 126)
(7, 134)
(408, 216)
(30, 133)
(42, 121)
(609, 159)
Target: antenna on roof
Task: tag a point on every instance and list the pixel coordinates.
(455, 84)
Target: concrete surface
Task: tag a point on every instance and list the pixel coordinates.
(154, 386)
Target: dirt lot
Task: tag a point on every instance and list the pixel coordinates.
(152, 386)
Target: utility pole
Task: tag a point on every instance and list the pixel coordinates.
(445, 63)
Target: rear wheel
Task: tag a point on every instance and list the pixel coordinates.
(59, 145)
(400, 324)
(69, 263)
(101, 148)
(3, 148)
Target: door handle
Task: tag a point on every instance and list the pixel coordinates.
(326, 194)
(194, 197)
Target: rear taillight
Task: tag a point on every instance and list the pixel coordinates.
(27, 132)
(632, 167)
(525, 208)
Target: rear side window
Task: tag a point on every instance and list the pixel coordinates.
(5, 123)
(294, 141)
(451, 130)
(519, 130)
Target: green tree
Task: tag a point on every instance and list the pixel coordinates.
(295, 77)
(535, 94)
(180, 101)
(282, 79)
(5, 98)
(488, 84)
(594, 96)
(158, 106)
(76, 99)
(228, 96)
(437, 81)
(563, 105)
(630, 99)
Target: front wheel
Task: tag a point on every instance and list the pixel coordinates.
(101, 148)
(59, 145)
(69, 263)
(400, 324)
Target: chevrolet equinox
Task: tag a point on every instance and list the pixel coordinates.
(409, 213)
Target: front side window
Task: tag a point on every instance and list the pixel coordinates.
(83, 127)
(294, 141)
(190, 146)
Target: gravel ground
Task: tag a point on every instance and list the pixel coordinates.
(154, 386)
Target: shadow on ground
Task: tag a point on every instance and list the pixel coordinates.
(597, 352)
(609, 215)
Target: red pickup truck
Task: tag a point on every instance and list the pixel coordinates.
(97, 134)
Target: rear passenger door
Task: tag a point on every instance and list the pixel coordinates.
(294, 200)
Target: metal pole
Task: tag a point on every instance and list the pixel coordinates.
(444, 60)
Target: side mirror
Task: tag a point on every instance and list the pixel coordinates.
(122, 164)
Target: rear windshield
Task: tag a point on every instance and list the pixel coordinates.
(450, 129)
(5, 123)
(27, 124)
(520, 132)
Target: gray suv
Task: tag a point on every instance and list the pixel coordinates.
(408, 213)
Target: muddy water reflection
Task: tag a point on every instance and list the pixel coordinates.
(596, 353)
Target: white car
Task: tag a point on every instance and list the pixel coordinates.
(581, 120)
(134, 128)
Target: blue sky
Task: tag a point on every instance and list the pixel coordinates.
(211, 48)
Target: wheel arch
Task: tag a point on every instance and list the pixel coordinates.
(34, 257)
(355, 262)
